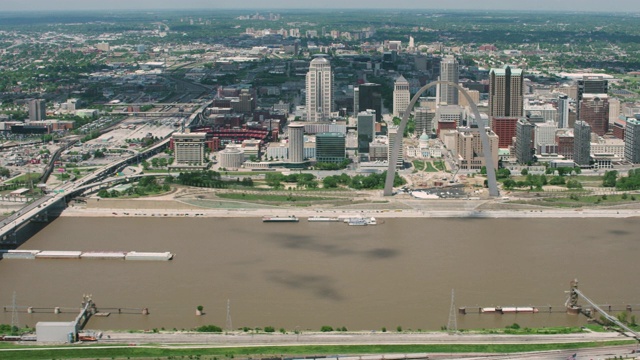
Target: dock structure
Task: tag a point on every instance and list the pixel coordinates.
(572, 305)
(101, 255)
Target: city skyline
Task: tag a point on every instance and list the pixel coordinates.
(544, 5)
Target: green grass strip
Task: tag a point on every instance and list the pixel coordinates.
(81, 352)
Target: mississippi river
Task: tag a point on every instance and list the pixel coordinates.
(306, 275)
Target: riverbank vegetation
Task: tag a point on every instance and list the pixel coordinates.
(162, 352)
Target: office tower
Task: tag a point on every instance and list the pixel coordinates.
(37, 109)
(545, 133)
(401, 96)
(356, 100)
(590, 85)
(581, 143)
(470, 150)
(393, 133)
(594, 109)
(524, 141)
(319, 90)
(296, 142)
(424, 120)
(614, 110)
(189, 148)
(449, 72)
(449, 117)
(632, 141)
(330, 147)
(506, 92)
(564, 139)
(366, 130)
(505, 128)
(563, 111)
(370, 97)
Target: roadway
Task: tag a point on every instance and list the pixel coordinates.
(14, 221)
(190, 340)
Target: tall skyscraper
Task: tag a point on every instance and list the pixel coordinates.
(594, 109)
(524, 141)
(370, 97)
(401, 96)
(506, 92)
(590, 85)
(366, 130)
(356, 100)
(449, 72)
(581, 143)
(424, 120)
(37, 109)
(319, 90)
(296, 142)
(563, 111)
(632, 141)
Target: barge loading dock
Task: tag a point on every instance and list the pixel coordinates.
(102, 255)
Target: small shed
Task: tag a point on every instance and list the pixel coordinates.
(56, 331)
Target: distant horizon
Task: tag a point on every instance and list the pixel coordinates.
(272, 10)
(626, 6)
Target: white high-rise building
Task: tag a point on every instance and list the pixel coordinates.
(563, 111)
(189, 148)
(296, 142)
(545, 133)
(449, 72)
(401, 96)
(319, 90)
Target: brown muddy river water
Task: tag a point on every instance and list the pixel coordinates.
(307, 275)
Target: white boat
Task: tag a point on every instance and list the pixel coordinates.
(360, 221)
(357, 222)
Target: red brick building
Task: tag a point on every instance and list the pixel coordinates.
(565, 145)
(445, 125)
(505, 128)
(618, 128)
(594, 110)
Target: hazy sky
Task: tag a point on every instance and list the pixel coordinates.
(545, 5)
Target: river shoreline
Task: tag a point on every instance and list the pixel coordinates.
(130, 212)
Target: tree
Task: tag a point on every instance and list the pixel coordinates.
(4, 172)
(98, 154)
(524, 172)
(609, 179)
(509, 184)
(330, 182)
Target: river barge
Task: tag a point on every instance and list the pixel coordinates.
(278, 219)
(323, 219)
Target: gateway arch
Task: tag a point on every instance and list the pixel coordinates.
(486, 147)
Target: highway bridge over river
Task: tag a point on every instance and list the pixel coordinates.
(51, 204)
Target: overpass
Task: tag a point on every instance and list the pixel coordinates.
(39, 210)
